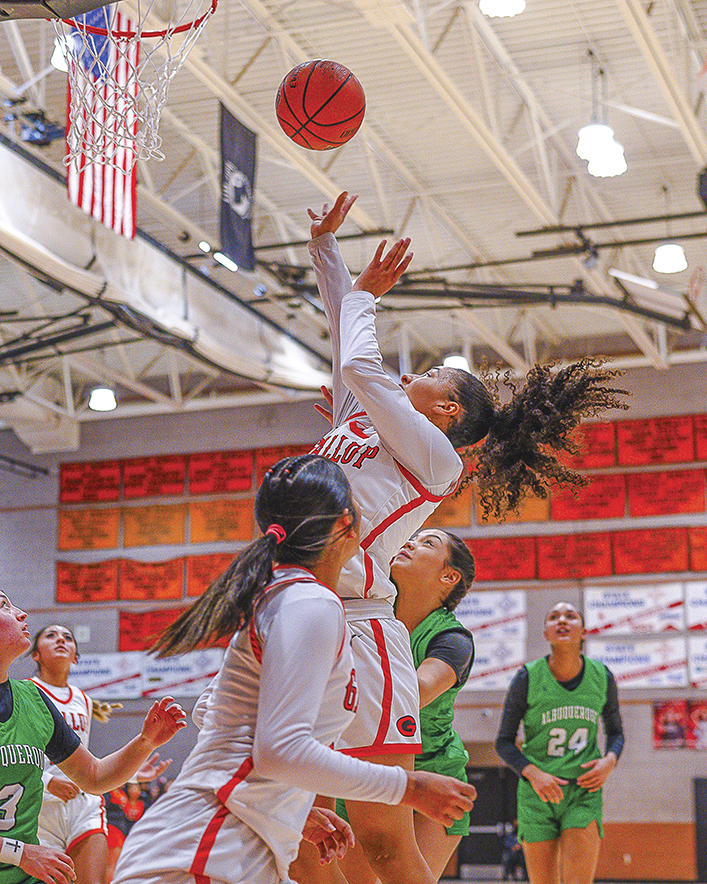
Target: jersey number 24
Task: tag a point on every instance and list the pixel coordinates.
(558, 741)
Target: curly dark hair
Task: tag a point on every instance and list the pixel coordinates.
(518, 457)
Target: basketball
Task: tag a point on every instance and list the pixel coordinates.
(320, 105)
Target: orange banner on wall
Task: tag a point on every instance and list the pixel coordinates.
(201, 570)
(530, 509)
(151, 580)
(650, 551)
(504, 558)
(87, 582)
(138, 630)
(603, 498)
(89, 482)
(221, 520)
(154, 476)
(220, 472)
(574, 555)
(655, 441)
(154, 525)
(453, 512)
(597, 446)
(697, 539)
(88, 529)
(266, 457)
(699, 426)
(666, 493)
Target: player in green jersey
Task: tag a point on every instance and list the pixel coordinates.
(560, 699)
(432, 572)
(32, 727)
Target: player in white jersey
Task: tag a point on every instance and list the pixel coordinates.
(285, 691)
(397, 445)
(73, 821)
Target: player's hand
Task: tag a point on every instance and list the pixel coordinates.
(598, 772)
(152, 769)
(49, 865)
(331, 835)
(547, 786)
(103, 711)
(443, 799)
(64, 789)
(331, 220)
(163, 721)
(384, 270)
(328, 413)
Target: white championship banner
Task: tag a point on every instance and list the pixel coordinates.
(497, 621)
(133, 674)
(697, 658)
(110, 676)
(656, 607)
(643, 664)
(696, 605)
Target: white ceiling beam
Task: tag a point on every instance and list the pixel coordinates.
(94, 369)
(488, 336)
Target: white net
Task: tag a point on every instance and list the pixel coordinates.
(120, 64)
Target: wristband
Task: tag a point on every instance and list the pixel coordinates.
(11, 851)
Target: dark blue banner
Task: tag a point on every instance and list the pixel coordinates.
(237, 190)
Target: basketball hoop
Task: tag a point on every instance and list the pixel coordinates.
(119, 72)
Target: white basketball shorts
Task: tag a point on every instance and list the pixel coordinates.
(387, 720)
(62, 824)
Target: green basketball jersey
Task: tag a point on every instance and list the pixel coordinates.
(561, 725)
(442, 748)
(23, 739)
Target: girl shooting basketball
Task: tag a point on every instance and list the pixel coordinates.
(30, 727)
(560, 698)
(397, 445)
(285, 691)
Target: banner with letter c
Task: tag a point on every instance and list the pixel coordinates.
(238, 146)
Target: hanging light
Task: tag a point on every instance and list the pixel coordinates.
(456, 360)
(596, 143)
(501, 8)
(593, 138)
(102, 399)
(608, 162)
(669, 258)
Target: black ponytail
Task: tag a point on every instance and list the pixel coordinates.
(299, 501)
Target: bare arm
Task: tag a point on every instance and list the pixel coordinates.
(434, 678)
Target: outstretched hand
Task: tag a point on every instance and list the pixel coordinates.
(152, 769)
(330, 834)
(384, 270)
(327, 413)
(331, 220)
(163, 721)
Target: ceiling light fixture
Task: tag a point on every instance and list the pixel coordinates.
(456, 360)
(102, 399)
(204, 246)
(501, 8)
(596, 143)
(669, 258)
(225, 261)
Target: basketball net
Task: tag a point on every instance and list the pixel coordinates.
(119, 68)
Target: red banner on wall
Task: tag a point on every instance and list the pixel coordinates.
(87, 582)
(666, 493)
(89, 482)
(154, 476)
(597, 446)
(266, 457)
(220, 472)
(603, 498)
(699, 425)
(201, 570)
(650, 551)
(654, 441)
(574, 555)
(697, 539)
(151, 580)
(504, 558)
(138, 630)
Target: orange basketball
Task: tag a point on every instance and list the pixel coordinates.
(320, 105)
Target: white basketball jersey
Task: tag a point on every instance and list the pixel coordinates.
(76, 708)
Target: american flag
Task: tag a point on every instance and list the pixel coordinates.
(102, 175)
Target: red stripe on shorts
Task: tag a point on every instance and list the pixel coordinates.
(387, 683)
(207, 842)
(224, 792)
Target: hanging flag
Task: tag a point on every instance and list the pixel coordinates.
(102, 175)
(237, 189)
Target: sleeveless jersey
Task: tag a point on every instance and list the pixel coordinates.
(23, 739)
(561, 725)
(76, 709)
(442, 748)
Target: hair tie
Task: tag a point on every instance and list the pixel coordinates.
(277, 530)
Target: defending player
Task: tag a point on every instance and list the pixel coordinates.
(30, 727)
(72, 821)
(396, 444)
(560, 699)
(285, 691)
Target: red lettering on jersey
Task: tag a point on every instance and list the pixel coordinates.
(406, 725)
(329, 442)
(335, 455)
(350, 452)
(351, 695)
(358, 430)
(369, 451)
(318, 447)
